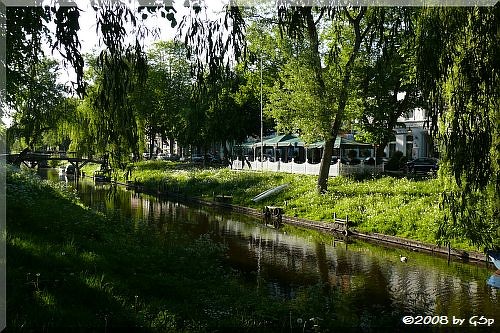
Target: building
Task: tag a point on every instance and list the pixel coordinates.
(412, 136)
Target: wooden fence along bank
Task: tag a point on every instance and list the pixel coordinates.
(341, 228)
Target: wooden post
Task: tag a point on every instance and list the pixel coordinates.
(346, 231)
(449, 253)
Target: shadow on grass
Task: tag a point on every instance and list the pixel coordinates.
(70, 267)
(46, 292)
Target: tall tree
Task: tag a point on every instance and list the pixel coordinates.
(351, 26)
(37, 103)
(163, 99)
(386, 79)
(458, 70)
(231, 115)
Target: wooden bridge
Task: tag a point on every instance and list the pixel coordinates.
(34, 159)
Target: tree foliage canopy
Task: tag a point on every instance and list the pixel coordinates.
(326, 66)
(458, 52)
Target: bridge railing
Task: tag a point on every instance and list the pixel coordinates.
(37, 156)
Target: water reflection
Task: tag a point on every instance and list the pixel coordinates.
(372, 280)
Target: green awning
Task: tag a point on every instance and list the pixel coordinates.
(318, 144)
(292, 140)
(281, 141)
(248, 145)
(340, 141)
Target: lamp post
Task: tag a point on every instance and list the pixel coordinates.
(261, 121)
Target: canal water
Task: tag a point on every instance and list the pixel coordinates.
(425, 292)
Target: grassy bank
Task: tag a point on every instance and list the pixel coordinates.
(70, 267)
(393, 206)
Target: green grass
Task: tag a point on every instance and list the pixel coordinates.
(71, 267)
(393, 206)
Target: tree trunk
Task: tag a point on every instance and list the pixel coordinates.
(151, 143)
(321, 93)
(322, 184)
(171, 147)
(324, 168)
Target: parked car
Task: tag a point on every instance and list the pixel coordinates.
(162, 156)
(369, 161)
(422, 165)
(382, 160)
(354, 161)
(197, 158)
(174, 157)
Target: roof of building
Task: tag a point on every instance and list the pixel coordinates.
(292, 140)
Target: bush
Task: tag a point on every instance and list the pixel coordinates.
(394, 162)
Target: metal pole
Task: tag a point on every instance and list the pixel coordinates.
(261, 121)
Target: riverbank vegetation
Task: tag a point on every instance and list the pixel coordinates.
(319, 71)
(76, 269)
(394, 206)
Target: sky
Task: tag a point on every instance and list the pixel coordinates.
(88, 35)
(89, 38)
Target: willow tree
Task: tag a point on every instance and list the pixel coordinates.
(26, 34)
(37, 104)
(458, 67)
(32, 91)
(121, 63)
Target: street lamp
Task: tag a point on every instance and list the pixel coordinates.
(261, 121)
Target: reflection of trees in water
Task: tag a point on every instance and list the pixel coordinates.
(322, 261)
(360, 286)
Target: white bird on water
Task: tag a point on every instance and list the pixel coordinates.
(403, 259)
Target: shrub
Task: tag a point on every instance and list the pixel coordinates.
(394, 162)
